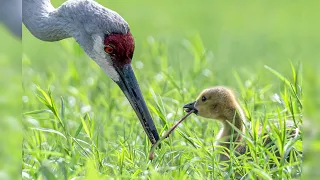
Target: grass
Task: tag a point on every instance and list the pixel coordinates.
(77, 123)
(10, 105)
(86, 128)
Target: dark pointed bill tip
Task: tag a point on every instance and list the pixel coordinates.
(130, 87)
(190, 106)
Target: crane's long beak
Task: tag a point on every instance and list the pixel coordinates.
(130, 87)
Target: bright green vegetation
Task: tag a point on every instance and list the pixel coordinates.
(77, 123)
(10, 105)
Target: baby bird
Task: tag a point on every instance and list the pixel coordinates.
(220, 103)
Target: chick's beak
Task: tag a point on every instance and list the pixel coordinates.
(190, 106)
(130, 87)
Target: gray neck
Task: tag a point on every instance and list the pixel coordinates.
(43, 20)
(75, 18)
(10, 15)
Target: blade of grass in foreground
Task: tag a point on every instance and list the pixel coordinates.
(151, 154)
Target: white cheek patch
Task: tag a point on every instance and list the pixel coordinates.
(102, 59)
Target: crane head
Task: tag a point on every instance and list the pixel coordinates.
(113, 53)
(103, 34)
(120, 48)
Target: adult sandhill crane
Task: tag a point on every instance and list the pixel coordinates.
(102, 33)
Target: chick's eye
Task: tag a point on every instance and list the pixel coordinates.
(109, 50)
(203, 98)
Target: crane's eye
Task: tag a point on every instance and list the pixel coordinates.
(203, 98)
(109, 49)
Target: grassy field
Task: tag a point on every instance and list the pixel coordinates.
(82, 125)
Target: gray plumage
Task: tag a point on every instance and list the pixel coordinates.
(72, 18)
(92, 26)
(10, 15)
(75, 18)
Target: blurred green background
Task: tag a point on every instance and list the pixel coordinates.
(182, 47)
(10, 105)
(240, 34)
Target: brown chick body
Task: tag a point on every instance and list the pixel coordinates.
(220, 103)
